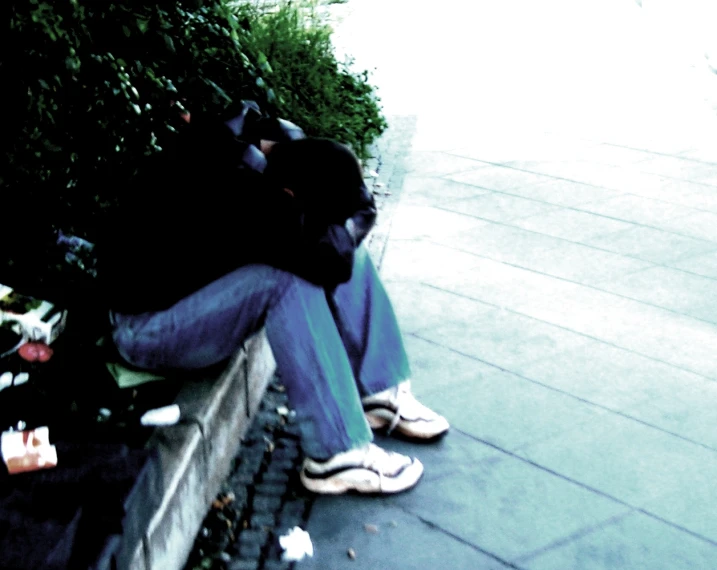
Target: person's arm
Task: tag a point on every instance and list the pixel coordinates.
(329, 247)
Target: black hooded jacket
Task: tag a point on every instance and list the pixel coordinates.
(215, 204)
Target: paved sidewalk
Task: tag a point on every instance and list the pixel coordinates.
(552, 258)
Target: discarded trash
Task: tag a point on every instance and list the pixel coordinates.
(104, 414)
(166, 416)
(28, 450)
(351, 553)
(380, 184)
(5, 380)
(371, 528)
(286, 414)
(373, 174)
(35, 352)
(296, 544)
(21, 378)
(393, 524)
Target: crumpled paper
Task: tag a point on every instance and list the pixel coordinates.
(296, 544)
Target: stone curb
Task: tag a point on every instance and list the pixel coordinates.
(196, 455)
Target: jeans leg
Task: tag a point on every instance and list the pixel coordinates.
(369, 329)
(210, 325)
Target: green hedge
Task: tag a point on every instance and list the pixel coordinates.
(92, 88)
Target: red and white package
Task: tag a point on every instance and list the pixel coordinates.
(28, 450)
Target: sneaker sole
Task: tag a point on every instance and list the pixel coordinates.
(364, 481)
(379, 422)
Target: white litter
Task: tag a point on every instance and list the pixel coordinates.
(5, 380)
(21, 378)
(296, 544)
(166, 416)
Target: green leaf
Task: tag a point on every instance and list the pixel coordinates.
(219, 91)
(169, 43)
(142, 25)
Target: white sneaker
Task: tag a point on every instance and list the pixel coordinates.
(397, 409)
(368, 469)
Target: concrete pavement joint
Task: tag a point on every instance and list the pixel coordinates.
(568, 394)
(554, 177)
(637, 224)
(572, 537)
(457, 538)
(679, 155)
(586, 487)
(574, 208)
(594, 287)
(468, 297)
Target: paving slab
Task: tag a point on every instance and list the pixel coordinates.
(507, 507)
(700, 264)
(512, 146)
(509, 412)
(500, 337)
(434, 163)
(679, 168)
(564, 192)
(638, 209)
(396, 539)
(611, 377)
(672, 289)
(634, 541)
(700, 225)
(498, 207)
(436, 368)
(691, 506)
(581, 263)
(498, 178)
(645, 329)
(651, 244)
(428, 191)
(482, 245)
(681, 404)
(688, 194)
(628, 461)
(572, 224)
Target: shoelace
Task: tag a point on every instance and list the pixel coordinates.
(375, 458)
(402, 397)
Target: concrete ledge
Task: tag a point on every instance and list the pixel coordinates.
(195, 456)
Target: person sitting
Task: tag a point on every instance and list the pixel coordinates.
(222, 239)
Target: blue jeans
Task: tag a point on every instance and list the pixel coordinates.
(331, 348)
